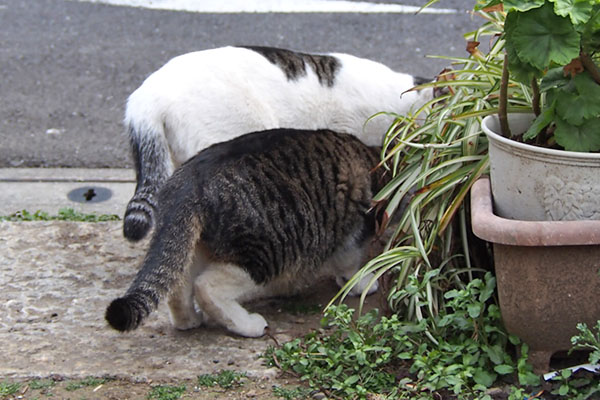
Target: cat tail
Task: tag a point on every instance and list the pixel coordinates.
(153, 165)
(169, 255)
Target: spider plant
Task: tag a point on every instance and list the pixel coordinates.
(434, 156)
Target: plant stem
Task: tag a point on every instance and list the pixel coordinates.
(535, 102)
(502, 106)
(590, 66)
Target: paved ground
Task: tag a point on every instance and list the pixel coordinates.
(57, 279)
(87, 190)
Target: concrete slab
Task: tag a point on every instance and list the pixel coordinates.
(100, 190)
(57, 279)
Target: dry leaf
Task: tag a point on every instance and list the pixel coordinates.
(573, 68)
(497, 7)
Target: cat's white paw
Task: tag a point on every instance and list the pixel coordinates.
(254, 326)
(189, 321)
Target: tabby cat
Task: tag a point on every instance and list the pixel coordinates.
(211, 96)
(263, 214)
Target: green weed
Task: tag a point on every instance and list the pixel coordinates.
(42, 384)
(296, 393)
(8, 389)
(460, 353)
(64, 214)
(225, 379)
(166, 392)
(71, 386)
(588, 340)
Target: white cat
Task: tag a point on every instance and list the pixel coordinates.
(211, 96)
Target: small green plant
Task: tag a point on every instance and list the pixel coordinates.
(64, 214)
(8, 389)
(296, 393)
(226, 379)
(463, 351)
(166, 392)
(566, 387)
(90, 381)
(587, 340)
(42, 384)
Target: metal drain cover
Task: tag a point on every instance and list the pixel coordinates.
(90, 194)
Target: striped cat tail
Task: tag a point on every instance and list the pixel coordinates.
(170, 253)
(126, 313)
(153, 165)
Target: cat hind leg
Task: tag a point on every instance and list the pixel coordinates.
(182, 310)
(218, 291)
(181, 302)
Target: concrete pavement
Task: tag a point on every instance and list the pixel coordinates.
(58, 277)
(102, 190)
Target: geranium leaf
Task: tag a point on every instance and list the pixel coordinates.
(520, 5)
(575, 106)
(569, 108)
(543, 120)
(541, 37)
(554, 78)
(589, 34)
(579, 11)
(583, 138)
(520, 70)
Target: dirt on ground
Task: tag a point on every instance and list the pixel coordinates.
(100, 389)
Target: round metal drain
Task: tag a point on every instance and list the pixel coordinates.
(89, 194)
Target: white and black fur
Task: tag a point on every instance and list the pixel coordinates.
(206, 97)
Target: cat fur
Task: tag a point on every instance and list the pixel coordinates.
(211, 96)
(260, 215)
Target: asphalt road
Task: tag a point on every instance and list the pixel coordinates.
(67, 67)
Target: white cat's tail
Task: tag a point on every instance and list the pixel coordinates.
(170, 253)
(153, 165)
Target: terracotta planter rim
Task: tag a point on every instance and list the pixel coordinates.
(488, 226)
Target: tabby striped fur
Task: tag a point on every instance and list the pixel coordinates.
(263, 214)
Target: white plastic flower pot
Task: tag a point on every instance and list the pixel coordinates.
(537, 184)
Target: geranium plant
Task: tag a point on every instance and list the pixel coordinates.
(552, 45)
